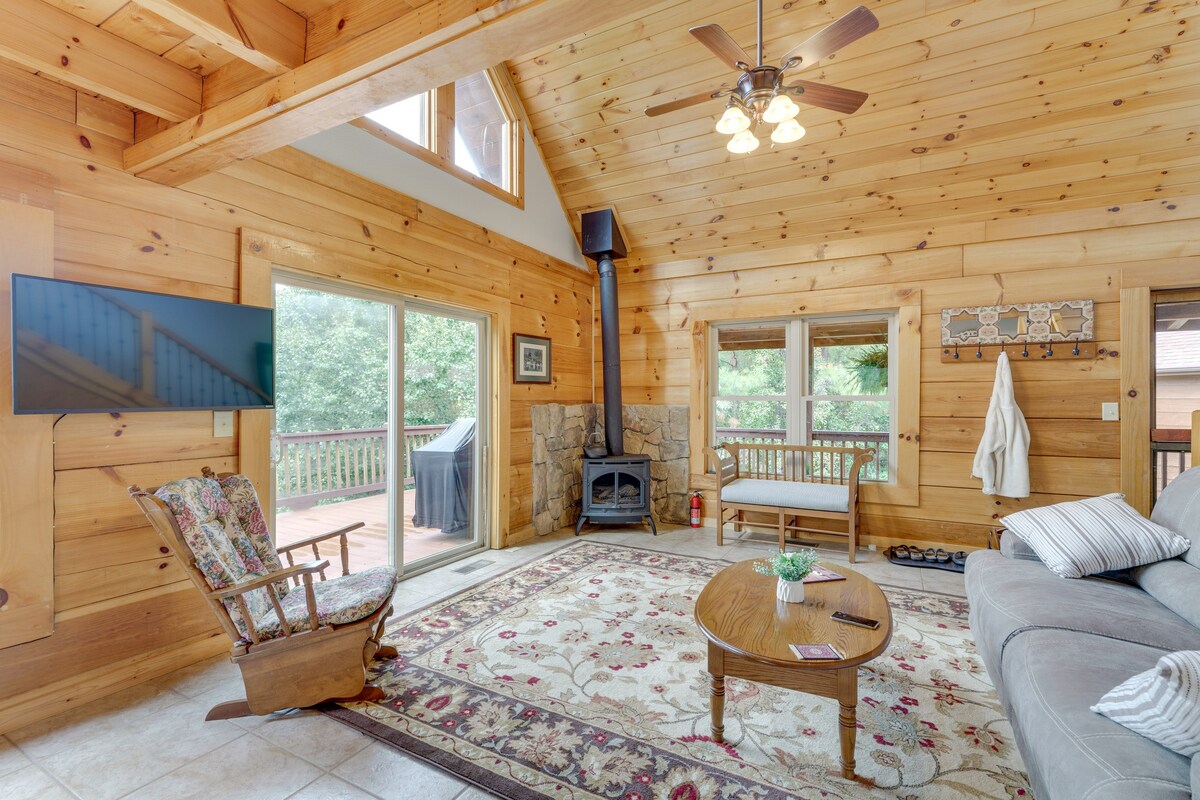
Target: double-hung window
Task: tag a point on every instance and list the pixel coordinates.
(809, 380)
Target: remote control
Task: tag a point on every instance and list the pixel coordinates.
(851, 619)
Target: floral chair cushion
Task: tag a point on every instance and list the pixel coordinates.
(340, 601)
(224, 553)
(240, 492)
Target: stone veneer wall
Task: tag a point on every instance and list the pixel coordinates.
(559, 433)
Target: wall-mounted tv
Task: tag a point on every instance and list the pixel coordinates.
(78, 347)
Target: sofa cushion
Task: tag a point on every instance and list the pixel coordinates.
(1013, 546)
(340, 601)
(1178, 508)
(1009, 597)
(1070, 752)
(1084, 537)
(789, 494)
(1175, 583)
(1162, 703)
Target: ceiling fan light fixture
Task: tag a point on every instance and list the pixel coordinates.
(787, 131)
(734, 120)
(742, 142)
(779, 109)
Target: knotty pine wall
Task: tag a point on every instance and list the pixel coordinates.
(123, 609)
(1088, 253)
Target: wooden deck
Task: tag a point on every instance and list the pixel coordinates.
(368, 546)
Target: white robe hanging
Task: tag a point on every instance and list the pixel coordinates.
(1002, 460)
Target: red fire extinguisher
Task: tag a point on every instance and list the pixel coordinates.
(695, 509)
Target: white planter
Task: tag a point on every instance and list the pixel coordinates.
(790, 591)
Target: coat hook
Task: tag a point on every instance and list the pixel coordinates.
(956, 351)
(1049, 349)
(1075, 350)
(1025, 350)
(1003, 347)
(979, 350)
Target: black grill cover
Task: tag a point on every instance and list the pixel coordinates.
(442, 471)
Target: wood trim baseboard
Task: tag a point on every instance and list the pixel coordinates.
(60, 696)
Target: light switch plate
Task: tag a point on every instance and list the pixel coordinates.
(1110, 412)
(222, 424)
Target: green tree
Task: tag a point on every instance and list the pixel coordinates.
(331, 368)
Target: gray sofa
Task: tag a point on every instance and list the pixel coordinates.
(1054, 646)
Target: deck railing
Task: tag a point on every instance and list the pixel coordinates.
(876, 470)
(329, 464)
(1170, 459)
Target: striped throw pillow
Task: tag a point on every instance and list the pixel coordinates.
(1162, 703)
(1099, 534)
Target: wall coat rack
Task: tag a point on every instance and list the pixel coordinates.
(1056, 330)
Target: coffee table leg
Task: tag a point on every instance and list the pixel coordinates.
(848, 716)
(716, 669)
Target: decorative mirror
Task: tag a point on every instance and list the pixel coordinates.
(1055, 321)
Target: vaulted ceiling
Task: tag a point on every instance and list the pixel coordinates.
(977, 111)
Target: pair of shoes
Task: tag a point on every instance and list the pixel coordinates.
(939, 555)
(904, 551)
(959, 558)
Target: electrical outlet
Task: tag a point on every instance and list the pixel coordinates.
(222, 424)
(1110, 412)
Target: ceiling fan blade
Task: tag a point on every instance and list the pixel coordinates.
(675, 105)
(833, 37)
(721, 44)
(835, 98)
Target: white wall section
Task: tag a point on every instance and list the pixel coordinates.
(541, 224)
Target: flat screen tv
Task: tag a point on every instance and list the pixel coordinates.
(78, 347)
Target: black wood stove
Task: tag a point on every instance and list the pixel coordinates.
(616, 487)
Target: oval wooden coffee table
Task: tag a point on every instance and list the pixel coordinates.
(749, 632)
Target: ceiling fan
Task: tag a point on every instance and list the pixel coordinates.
(760, 94)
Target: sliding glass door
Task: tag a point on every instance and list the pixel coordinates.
(379, 419)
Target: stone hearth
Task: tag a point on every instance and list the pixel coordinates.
(559, 432)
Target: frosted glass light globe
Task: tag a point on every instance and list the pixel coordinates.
(787, 131)
(742, 142)
(780, 108)
(734, 120)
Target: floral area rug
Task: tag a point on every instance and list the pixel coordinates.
(582, 675)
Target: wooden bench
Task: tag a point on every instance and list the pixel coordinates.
(788, 480)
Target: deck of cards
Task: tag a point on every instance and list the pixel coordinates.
(816, 652)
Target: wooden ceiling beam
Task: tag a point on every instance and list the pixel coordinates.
(426, 47)
(40, 37)
(265, 33)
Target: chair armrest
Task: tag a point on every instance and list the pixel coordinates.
(856, 467)
(296, 571)
(313, 541)
(266, 580)
(725, 468)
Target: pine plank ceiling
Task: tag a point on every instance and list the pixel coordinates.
(977, 111)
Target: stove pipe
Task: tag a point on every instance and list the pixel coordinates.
(602, 243)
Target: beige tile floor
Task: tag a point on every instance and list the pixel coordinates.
(150, 742)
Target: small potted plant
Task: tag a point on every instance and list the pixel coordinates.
(791, 568)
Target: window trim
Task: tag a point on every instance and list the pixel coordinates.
(905, 302)
(439, 132)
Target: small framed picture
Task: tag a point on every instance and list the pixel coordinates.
(531, 359)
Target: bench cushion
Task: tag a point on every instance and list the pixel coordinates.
(788, 494)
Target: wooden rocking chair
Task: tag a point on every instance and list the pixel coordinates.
(297, 644)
